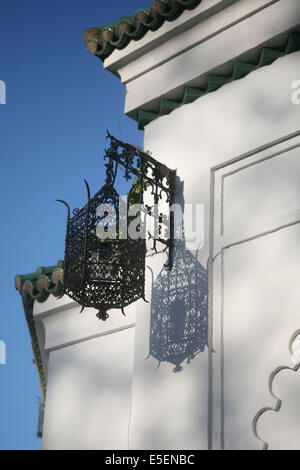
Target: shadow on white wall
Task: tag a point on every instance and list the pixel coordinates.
(178, 324)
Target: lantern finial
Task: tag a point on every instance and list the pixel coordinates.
(102, 314)
(67, 206)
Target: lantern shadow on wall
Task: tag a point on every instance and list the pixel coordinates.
(179, 308)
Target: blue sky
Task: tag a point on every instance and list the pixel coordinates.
(59, 103)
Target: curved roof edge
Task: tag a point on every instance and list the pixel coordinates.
(102, 41)
(38, 286)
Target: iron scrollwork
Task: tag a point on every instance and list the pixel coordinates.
(109, 273)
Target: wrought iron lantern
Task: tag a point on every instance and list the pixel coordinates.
(104, 268)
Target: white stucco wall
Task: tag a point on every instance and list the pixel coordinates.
(102, 392)
(89, 377)
(238, 119)
(236, 151)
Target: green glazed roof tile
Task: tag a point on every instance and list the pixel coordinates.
(293, 43)
(102, 41)
(191, 94)
(241, 69)
(47, 280)
(166, 106)
(268, 56)
(214, 82)
(144, 117)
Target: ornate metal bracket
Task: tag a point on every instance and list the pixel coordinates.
(152, 174)
(107, 272)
